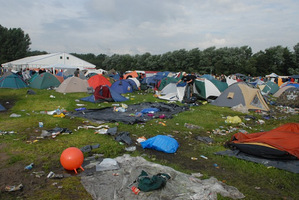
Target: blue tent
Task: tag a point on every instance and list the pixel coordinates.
(207, 76)
(122, 86)
(132, 83)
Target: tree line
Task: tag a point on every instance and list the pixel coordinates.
(15, 44)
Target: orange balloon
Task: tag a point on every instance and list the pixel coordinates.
(72, 159)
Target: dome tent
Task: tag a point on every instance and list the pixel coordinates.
(241, 93)
(72, 85)
(12, 81)
(44, 80)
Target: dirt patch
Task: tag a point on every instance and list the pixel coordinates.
(8, 102)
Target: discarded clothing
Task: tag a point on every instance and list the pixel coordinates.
(124, 137)
(146, 183)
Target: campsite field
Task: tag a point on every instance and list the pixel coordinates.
(21, 146)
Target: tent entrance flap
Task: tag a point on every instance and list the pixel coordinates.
(230, 95)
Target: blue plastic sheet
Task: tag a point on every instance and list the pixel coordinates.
(161, 143)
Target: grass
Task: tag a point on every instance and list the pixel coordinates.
(255, 181)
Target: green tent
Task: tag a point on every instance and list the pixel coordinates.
(165, 81)
(44, 81)
(33, 77)
(220, 85)
(12, 81)
(270, 88)
(207, 89)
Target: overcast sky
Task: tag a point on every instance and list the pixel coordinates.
(154, 26)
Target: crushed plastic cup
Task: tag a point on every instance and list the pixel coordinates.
(40, 124)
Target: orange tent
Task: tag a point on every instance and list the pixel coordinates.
(283, 138)
(98, 80)
(132, 74)
(60, 78)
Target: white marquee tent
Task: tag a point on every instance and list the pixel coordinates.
(53, 60)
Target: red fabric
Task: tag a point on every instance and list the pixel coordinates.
(102, 92)
(284, 138)
(98, 80)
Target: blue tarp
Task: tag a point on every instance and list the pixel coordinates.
(161, 143)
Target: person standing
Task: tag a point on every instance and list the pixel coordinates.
(76, 73)
(191, 78)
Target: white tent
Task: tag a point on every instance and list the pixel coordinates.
(53, 60)
(172, 93)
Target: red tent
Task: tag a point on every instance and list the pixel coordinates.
(284, 138)
(98, 80)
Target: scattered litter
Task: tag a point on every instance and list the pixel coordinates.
(52, 175)
(124, 137)
(31, 92)
(13, 188)
(15, 115)
(194, 158)
(132, 148)
(52, 97)
(206, 140)
(101, 131)
(28, 167)
(40, 124)
(107, 164)
(80, 109)
(260, 121)
(79, 104)
(112, 131)
(7, 132)
(204, 157)
(216, 166)
(88, 148)
(93, 127)
(61, 115)
(119, 109)
(240, 108)
(233, 120)
(54, 132)
(39, 174)
(141, 139)
(191, 126)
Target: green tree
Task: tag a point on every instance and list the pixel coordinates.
(14, 44)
